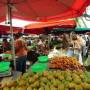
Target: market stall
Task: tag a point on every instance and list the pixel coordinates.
(49, 77)
(57, 63)
(62, 70)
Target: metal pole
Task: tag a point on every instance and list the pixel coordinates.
(11, 29)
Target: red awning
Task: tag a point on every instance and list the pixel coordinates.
(39, 28)
(34, 31)
(59, 23)
(44, 9)
(6, 30)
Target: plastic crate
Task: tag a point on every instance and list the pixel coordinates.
(4, 66)
(43, 59)
(39, 67)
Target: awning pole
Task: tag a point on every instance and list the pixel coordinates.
(11, 29)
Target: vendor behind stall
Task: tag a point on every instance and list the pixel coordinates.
(65, 41)
(77, 43)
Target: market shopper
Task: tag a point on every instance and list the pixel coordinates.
(6, 45)
(88, 33)
(77, 43)
(65, 41)
(85, 48)
(21, 55)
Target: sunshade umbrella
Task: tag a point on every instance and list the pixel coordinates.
(41, 9)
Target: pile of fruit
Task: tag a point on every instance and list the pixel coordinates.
(50, 80)
(64, 63)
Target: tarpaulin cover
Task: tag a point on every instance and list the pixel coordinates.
(44, 9)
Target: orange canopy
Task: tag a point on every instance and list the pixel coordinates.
(70, 22)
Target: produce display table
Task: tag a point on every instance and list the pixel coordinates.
(59, 63)
(59, 79)
(50, 80)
